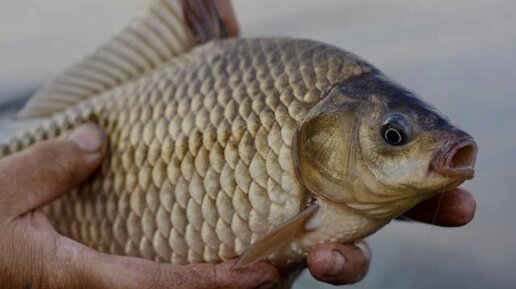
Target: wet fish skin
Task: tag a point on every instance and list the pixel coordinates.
(200, 151)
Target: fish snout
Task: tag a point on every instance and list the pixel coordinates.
(456, 159)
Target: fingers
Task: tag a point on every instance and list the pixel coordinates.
(339, 264)
(227, 14)
(456, 208)
(108, 271)
(259, 275)
(289, 276)
(44, 171)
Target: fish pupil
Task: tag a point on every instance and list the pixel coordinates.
(393, 136)
(396, 130)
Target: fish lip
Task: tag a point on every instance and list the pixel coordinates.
(442, 163)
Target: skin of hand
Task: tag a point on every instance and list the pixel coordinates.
(33, 254)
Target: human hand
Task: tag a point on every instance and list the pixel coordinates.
(341, 264)
(34, 255)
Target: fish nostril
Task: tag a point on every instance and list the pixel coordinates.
(464, 157)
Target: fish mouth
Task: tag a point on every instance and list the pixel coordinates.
(456, 159)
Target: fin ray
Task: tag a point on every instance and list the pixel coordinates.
(277, 239)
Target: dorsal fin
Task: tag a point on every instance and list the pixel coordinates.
(164, 30)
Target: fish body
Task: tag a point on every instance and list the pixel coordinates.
(200, 151)
(256, 147)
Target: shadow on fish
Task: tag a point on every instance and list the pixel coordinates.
(249, 148)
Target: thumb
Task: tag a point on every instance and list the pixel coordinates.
(47, 170)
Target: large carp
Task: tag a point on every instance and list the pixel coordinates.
(220, 148)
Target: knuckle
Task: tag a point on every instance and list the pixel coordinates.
(358, 255)
(205, 276)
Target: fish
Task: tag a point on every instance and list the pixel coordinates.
(229, 147)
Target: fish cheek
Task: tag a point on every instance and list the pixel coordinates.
(400, 168)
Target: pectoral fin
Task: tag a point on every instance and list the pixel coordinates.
(277, 239)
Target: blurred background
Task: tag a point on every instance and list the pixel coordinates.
(459, 55)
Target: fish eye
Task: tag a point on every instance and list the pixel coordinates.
(396, 130)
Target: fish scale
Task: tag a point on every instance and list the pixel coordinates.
(199, 163)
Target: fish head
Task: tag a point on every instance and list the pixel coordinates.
(372, 145)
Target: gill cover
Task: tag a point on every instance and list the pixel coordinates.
(322, 169)
(327, 146)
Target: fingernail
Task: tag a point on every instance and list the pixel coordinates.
(364, 248)
(268, 285)
(88, 137)
(337, 264)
